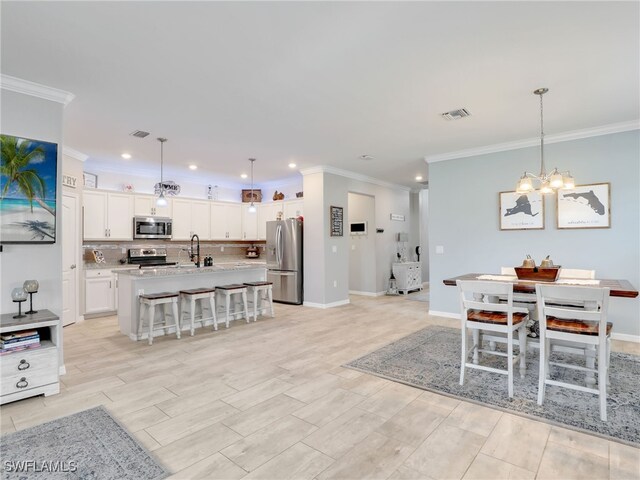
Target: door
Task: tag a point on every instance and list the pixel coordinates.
(201, 219)
(99, 295)
(249, 223)
(273, 255)
(181, 219)
(70, 249)
(120, 216)
(290, 245)
(234, 222)
(286, 287)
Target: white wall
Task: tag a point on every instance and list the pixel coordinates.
(32, 117)
(362, 248)
(463, 218)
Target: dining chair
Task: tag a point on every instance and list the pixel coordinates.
(582, 328)
(482, 311)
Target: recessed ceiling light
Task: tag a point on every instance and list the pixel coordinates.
(244, 175)
(193, 167)
(292, 165)
(418, 178)
(126, 156)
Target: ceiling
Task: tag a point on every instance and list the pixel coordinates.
(320, 82)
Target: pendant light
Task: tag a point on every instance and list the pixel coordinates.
(161, 201)
(252, 207)
(549, 182)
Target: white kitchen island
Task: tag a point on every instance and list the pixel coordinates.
(132, 283)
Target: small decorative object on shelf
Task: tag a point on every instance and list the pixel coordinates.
(19, 295)
(31, 287)
(299, 194)
(278, 196)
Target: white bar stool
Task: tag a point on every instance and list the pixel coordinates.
(151, 300)
(228, 291)
(260, 291)
(189, 298)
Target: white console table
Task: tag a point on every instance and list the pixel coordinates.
(31, 372)
(408, 276)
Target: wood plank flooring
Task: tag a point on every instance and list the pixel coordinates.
(269, 400)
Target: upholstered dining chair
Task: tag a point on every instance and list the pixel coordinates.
(578, 327)
(482, 311)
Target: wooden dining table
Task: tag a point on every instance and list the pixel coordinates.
(617, 288)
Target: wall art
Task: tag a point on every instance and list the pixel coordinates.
(28, 185)
(586, 206)
(336, 219)
(521, 211)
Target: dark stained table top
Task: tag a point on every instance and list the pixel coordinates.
(617, 288)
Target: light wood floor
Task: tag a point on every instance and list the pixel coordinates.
(270, 400)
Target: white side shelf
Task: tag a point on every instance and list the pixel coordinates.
(408, 276)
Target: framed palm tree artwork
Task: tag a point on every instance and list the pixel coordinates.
(28, 172)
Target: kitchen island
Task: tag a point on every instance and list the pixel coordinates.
(132, 283)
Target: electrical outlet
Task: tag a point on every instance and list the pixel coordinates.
(335, 284)
(439, 249)
(334, 249)
(353, 247)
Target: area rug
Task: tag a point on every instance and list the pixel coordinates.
(430, 359)
(86, 445)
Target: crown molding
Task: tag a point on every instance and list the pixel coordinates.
(70, 152)
(352, 175)
(26, 87)
(531, 142)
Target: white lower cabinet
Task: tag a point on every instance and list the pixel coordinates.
(100, 291)
(408, 276)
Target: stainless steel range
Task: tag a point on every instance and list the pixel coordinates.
(149, 257)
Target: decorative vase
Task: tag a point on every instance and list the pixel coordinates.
(19, 295)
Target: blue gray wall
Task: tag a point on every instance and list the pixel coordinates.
(463, 218)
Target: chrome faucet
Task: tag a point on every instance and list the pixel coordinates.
(197, 254)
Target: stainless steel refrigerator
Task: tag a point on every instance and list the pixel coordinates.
(284, 260)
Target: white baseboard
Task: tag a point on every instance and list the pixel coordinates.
(80, 319)
(615, 336)
(326, 305)
(366, 294)
(62, 370)
(435, 313)
(625, 337)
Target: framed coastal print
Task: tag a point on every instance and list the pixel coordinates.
(28, 171)
(586, 206)
(336, 221)
(521, 211)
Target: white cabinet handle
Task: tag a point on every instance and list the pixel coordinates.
(72, 267)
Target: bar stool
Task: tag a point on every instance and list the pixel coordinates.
(229, 291)
(189, 298)
(260, 291)
(151, 300)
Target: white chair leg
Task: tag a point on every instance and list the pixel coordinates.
(174, 310)
(476, 345)
(463, 359)
(192, 310)
(590, 355)
(542, 374)
(255, 304)
(227, 301)
(151, 311)
(140, 321)
(602, 380)
(510, 361)
(522, 339)
(212, 306)
(244, 304)
(270, 294)
(608, 359)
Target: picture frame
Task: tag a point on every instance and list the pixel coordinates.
(585, 206)
(89, 180)
(521, 211)
(28, 197)
(257, 196)
(336, 221)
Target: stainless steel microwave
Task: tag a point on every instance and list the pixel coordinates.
(151, 227)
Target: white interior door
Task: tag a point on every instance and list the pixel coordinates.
(70, 249)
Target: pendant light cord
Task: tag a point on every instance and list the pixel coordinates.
(543, 171)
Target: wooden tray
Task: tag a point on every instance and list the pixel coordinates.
(539, 274)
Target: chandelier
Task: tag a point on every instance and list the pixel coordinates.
(548, 182)
(161, 201)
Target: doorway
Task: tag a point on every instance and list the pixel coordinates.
(70, 258)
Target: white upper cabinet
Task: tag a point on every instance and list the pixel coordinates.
(267, 213)
(234, 221)
(190, 217)
(226, 221)
(107, 216)
(293, 208)
(249, 223)
(146, 205)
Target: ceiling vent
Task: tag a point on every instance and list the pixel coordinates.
(456, 114)
(139, 134)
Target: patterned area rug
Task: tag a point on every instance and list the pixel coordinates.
(86, 445)
(430, 359)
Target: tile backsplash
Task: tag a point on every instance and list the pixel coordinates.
(116, 252)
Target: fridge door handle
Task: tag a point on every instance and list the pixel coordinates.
(279, 245)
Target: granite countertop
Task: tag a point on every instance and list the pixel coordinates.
(129, 266)
(190, 270)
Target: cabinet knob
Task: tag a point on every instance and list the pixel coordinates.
(22, 383)
(23, 365)
(72, 267)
